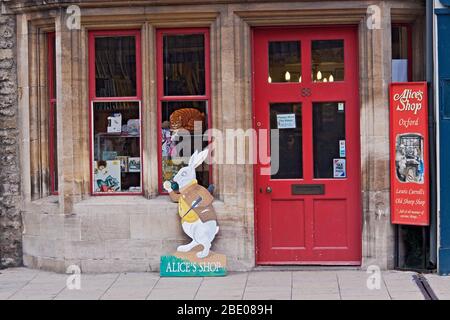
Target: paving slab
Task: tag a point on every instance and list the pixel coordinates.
(440, 285)
(44, 286)
(12, 280)
(261, 278)
(131, 286)
(173, 294)
(312, 296)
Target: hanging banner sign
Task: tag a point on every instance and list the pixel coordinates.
(409, 153)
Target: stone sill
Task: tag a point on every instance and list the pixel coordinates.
(133, 200)
(113, 204)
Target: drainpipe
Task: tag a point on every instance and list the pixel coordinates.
(432, 132)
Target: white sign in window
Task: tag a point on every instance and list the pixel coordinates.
(286, 121)
(339, 168)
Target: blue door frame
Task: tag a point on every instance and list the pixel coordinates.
(443, 29)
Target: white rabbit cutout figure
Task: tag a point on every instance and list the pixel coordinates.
(198, 218)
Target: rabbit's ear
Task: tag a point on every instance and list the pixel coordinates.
(193, 158)
(200, 158)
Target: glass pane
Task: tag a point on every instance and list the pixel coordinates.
(287, 118)
(184, 65)
(53, 62)
(329, 140)
(327, 60)
(399, 42)
(54, 153)
(400, 56)
(183, 125)
(115, 66)
(117, 147)
(285, 61)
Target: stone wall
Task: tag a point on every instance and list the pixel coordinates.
(10, 217)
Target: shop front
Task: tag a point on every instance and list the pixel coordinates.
(110, 91)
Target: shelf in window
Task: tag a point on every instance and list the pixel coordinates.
(117, 135)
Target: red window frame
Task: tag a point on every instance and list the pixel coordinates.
(160, 87)
(51, 66)
(409, 53)
(93, 98)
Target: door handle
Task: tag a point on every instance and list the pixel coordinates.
(268, 190)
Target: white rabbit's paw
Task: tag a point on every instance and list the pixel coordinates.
(202, 254)
(167, 186)
(185, 248)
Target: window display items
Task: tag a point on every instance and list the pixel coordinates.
(115, 123)
(123, 163)
(134, 164)
(107, 176)
(109, 155)
(133, 126)
(168, 144)
(185, 119)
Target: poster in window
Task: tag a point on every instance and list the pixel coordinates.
(134, 164)
(409, 153)
(107, 176)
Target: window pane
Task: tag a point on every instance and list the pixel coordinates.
(329, 140)
(53, 137)
(53, 152)
(183, 126)
(287, 118)
(327, 60)
(285, 61)
(117, 147)
(115, 66)
(53, 62)
(400, 53)
(184, 65)
(399, 42)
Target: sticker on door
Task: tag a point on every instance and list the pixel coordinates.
(339, 169)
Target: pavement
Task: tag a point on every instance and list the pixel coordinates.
(24, 284)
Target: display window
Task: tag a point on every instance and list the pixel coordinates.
(183, 100)
(53, 134)
(116, 112)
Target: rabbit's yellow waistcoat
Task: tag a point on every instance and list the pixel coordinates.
(183, 207)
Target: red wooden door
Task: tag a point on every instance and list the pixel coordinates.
(308, 206)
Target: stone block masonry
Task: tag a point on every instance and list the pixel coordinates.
(10, 215)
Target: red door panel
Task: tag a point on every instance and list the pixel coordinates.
(308, 210)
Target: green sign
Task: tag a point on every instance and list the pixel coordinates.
(172, 266)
